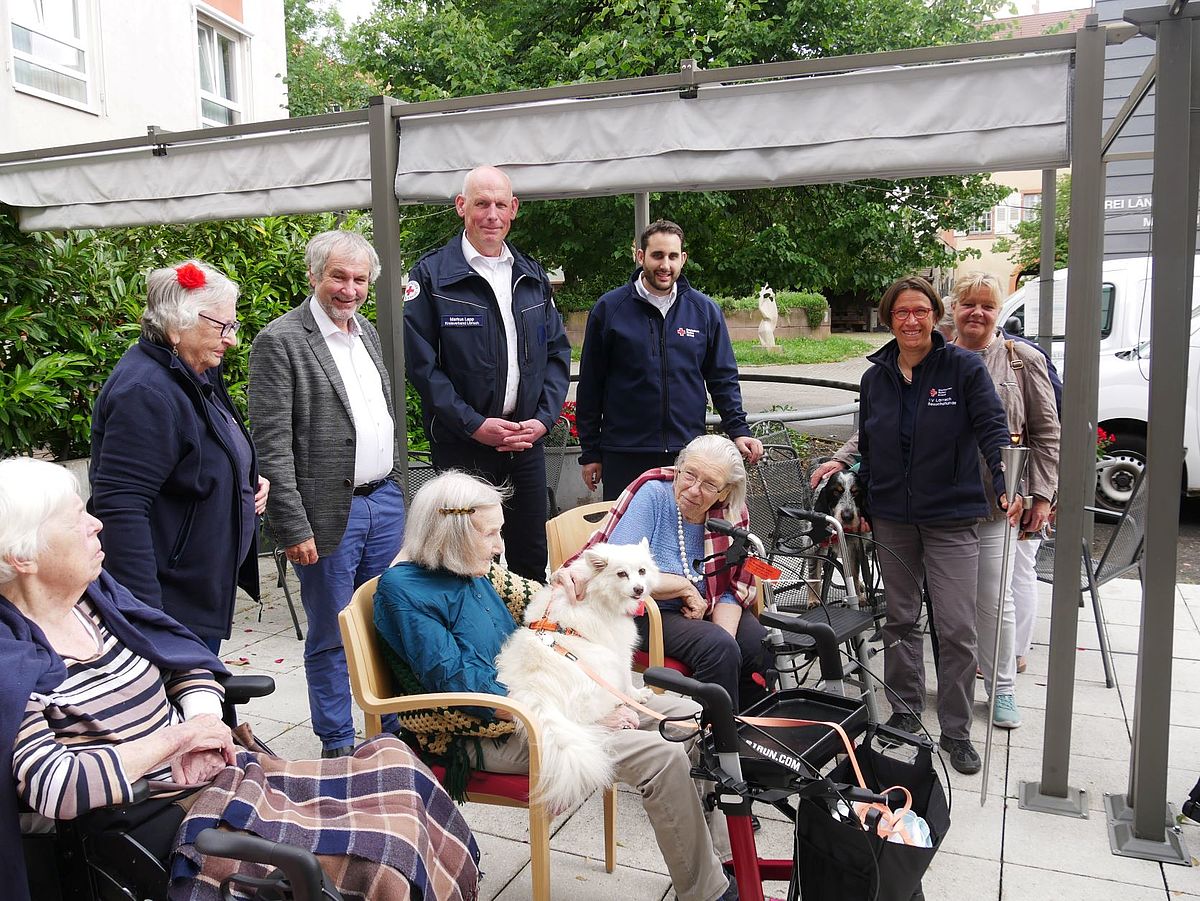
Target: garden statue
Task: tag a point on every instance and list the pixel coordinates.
(770, 316)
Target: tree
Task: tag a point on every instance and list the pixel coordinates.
(1025, 246)
(834, 238)
(318, 78)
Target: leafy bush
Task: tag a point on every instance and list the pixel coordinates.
(70, 302)
(814, 305)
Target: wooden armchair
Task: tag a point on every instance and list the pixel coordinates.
(372, 684)
(565, 535)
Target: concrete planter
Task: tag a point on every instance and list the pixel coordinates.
(571, 492)
(742, 325)
(80, 468)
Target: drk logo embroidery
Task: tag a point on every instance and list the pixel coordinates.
(942, 397)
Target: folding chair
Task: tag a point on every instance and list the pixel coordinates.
(372, 684)
(267, 542)
(420, 470)
(1121, 555)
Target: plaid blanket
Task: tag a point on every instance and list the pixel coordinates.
(736, 580)
(378, 822)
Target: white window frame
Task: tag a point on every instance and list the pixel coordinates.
(222, 27)
(1031, 202)
(984, 225)
(83, 44)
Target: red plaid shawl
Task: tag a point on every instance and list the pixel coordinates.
(736, 580)
(378, 822)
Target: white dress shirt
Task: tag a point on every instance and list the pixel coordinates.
(497, 271)
(662, 302)
(373, 427)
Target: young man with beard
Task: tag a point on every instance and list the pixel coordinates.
(652, 349)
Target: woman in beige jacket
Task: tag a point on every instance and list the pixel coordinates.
(1025, 390)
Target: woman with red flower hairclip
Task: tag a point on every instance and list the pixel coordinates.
(174, 476)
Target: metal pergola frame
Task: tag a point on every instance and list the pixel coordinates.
(1143, 807)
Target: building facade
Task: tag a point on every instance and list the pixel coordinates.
(91, 70)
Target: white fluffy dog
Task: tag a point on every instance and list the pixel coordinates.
(576, 716)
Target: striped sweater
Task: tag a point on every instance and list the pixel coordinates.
(65, 759)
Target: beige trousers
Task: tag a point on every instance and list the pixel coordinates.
(661, 772)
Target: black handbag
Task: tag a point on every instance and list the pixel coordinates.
(837, 860)
(1191, 807)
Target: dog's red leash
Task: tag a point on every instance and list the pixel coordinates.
(760, 721)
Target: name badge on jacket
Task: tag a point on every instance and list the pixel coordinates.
(462, 320)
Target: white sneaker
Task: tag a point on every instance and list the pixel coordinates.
(1005, 713)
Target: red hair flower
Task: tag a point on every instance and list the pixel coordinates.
(190, 276)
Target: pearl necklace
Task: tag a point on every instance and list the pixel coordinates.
(682, 543)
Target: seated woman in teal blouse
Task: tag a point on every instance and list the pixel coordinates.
(438, 611)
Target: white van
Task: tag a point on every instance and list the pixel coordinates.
(1124, 367)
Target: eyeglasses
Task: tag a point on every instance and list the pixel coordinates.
(918, 313)
(687, 479)
(227, 328)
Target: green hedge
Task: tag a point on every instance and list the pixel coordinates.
(814, 305)
(70, 302)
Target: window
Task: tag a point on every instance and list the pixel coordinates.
(49, 41)
(1032, 206)
(220, 55)
(983, 226)
(1008, 214)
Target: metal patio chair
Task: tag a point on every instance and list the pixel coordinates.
(814, 585)
(555, 445)
(1121, 555)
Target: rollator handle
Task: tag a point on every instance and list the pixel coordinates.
(809, 516)
(718, 709)
(723, 527)
(822, 633)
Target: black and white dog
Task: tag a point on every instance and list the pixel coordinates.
(841, 496)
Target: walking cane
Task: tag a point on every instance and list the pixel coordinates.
(1013, 458)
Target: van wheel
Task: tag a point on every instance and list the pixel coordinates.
(1114, 483)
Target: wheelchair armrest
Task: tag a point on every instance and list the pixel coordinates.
(141, 791)
(240, 689)
(303, 872)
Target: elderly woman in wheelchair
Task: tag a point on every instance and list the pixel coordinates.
(104, 695)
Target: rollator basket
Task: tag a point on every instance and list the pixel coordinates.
(779, 756)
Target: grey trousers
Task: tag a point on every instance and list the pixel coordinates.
(661, 772)
(946, 557)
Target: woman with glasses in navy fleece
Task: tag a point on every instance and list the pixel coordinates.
(926, 410)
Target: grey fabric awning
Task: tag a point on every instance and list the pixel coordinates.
(896, 122)
(1008, 112)
(301, 172)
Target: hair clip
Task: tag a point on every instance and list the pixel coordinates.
(456, 511)
(190, 276)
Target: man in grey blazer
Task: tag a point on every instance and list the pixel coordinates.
(321, 416)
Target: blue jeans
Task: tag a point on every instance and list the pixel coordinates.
(374, 533)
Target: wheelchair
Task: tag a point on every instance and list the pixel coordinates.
(121, 853)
